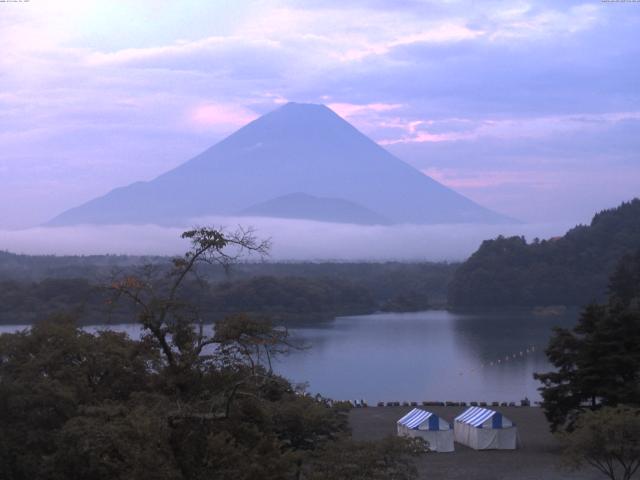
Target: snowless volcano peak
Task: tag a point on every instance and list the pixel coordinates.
(298, 148)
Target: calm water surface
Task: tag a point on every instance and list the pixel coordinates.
(433, 355)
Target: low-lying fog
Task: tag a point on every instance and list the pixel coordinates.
(292, 239)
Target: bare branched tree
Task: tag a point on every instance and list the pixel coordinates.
(167, 320)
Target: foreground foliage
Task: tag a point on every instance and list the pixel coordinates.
(598, 361)
(176, 404)
(608, 440)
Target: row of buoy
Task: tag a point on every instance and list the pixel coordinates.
(502, 360)
(507, 358)
(513, 356)
(525, 402)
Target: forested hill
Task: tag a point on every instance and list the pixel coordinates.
(569, 270)
(35, 287)
(39, 267)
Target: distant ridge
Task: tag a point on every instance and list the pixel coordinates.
(570, 270)
(303, 206)
(302, 148)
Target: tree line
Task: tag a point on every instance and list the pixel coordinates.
(569, 270)
(176, 404)
(288, 292)
(592, 397)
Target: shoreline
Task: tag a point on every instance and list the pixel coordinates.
(537, 457)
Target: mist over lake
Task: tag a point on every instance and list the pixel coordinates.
(292, 239)
(225, 227)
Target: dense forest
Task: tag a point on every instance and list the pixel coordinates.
(597, 362)
(570, 270)
(33, 287)
(39, 267)
(175, 404)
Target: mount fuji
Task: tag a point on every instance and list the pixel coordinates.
(299, 161)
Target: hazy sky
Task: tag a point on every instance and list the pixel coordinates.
(530, 108)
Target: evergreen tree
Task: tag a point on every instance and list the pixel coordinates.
(568, 270)
(598, 361)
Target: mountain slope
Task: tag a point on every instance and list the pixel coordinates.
(570, 270)
(301, 205)
(296, 148)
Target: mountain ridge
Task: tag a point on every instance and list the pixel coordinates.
(304, 148)
(300, 205)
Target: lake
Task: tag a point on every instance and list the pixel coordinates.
(432, 355)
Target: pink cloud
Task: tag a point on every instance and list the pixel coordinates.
(212, 115)
(423, 137)
(505, 128)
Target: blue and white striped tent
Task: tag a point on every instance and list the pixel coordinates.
(484, 429)
(427, 425)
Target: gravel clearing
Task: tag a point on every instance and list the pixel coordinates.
(536, 459)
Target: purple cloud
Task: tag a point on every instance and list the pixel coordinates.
(498, 99)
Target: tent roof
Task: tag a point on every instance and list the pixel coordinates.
(475, 416)
(415, 418)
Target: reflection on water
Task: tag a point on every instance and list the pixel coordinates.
(434, 355)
